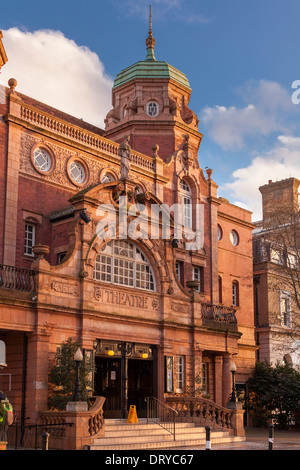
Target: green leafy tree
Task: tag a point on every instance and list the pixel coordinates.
(63, 375)
(274, 393)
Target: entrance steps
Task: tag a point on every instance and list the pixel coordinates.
(120, 435)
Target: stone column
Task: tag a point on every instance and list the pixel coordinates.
(218, 380)
(197, 371)
(213, 231)
(12, 181)
(227, 385)
(37, 374)
(159, 363)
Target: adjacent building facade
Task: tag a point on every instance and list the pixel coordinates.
(92, 248)
(276, 273)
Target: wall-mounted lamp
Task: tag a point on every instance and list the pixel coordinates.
(110, 352)
(83, 215)
(174, 243)
(143, 354)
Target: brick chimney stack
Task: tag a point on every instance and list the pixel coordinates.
(279, 195)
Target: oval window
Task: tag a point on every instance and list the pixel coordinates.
(234, 238)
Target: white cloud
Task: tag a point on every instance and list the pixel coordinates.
(281, 162)
(53, 69)
(268, 104)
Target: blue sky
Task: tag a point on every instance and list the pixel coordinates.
(241, 58)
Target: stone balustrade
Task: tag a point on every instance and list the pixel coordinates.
(205, 412)
(12, 277)
(80, 427)
(84, 137)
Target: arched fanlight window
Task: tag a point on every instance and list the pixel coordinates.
(123, 263)
(186, 202)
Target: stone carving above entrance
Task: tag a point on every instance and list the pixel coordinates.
(133, 299)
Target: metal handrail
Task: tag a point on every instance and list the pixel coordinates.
(161, 414)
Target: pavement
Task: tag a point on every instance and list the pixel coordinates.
(258, 439)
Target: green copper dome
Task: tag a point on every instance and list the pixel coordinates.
(150, 67)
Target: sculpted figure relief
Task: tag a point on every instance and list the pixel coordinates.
(125, 154)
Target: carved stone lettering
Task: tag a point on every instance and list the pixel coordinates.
(97, 293)
(64, 288)
(126, 299)
(180, 308)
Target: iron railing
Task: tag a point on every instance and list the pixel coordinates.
(161, 414)
(15, 278)
(29, 436)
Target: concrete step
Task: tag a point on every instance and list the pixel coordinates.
(166, 444)
(141, 421)
(120, 435)
(124, 427)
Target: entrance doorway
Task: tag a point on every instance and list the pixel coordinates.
(108, 383)
(140, 384)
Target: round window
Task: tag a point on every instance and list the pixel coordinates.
(234, 238)
(152, 109)
(77, 172)
(107, 178)
(42, 160)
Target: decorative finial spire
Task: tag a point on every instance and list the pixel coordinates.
(150, 19)
(150, 41)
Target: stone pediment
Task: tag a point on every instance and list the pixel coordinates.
(112, 191)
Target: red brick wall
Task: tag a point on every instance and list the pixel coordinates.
(235, 262)
(3, 150)
(43, 199)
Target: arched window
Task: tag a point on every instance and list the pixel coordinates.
(186, 202)
(123, 263)
(235, 293)
(220, 289)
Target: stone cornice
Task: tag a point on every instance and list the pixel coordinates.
(236, 220)
(158, 123)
